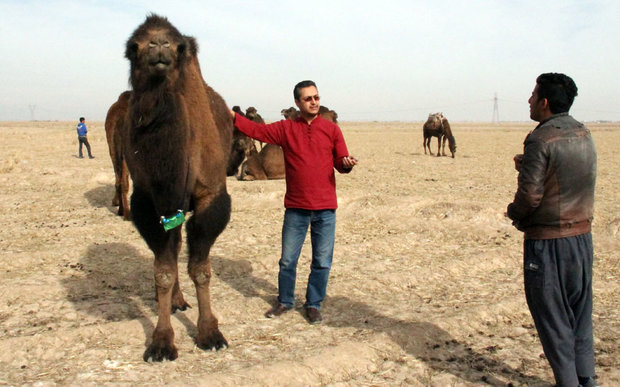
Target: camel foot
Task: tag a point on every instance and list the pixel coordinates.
(162, 348)
(178, 303)
(212, 340)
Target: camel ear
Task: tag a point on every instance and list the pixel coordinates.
(131, 52)
(189, 46)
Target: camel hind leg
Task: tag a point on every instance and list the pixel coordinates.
(443, 140)
(210, 217)
(122, 190)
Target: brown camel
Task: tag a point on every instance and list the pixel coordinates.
(240, 148)
(252, 114)
(114, 122)
(328, 114)
(290, 113)
(438, 126)
(176, 141)
(268, 164)
(325, 112)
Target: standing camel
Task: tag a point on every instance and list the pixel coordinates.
(438, 126)
(176, 143)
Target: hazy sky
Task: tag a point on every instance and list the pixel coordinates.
(371, 60)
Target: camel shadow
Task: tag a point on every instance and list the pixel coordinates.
(421, 339)
(114, 282)
(102, 197)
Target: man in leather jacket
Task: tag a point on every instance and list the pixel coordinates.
(553, 206)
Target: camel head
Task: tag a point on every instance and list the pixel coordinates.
(290, 113)
(157, 52)
(250, 112)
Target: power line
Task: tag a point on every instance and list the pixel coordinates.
(32, 109)
(495, 118)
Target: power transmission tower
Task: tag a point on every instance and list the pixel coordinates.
(495, 118)
(32, 108)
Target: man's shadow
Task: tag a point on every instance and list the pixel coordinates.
(114, 282)
(421, 339)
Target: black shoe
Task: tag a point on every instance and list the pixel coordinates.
(80, 157)
(588, 382)
(91, 157)
(277, 311)
(314, 315)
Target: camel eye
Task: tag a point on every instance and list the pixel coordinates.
(167, 44)
(152, 44)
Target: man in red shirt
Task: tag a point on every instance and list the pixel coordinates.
(313, 147)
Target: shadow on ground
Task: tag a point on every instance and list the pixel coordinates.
(102, 197)
(421, 339)
(114, 282)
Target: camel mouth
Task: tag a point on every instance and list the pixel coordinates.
(160, 65)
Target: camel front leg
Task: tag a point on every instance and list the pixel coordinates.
(162, 346)
(209, 220)
(209, 335)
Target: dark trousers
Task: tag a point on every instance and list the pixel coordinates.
(558, 289)
(84, 140)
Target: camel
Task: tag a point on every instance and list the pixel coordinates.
(237, 109)
(328, 114)
(438, 126)
(239, 150)
(114, 122)
(290, 113)
(176, 142)
(252, 114)
(325, 112)
(268, 164)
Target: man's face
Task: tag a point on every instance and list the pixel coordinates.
(537, 105)
(308, 101)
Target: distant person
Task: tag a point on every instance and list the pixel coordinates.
(313, 147)
(83, 138)
(553, 206)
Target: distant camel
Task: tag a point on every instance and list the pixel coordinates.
(252, 114)
(292, 114)
(438, 126)
(328, 114)
(268, 164)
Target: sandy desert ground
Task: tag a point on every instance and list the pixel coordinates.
(426, 287)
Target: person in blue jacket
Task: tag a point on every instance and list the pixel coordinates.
(83, 139)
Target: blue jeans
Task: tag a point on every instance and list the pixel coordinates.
(322, 232)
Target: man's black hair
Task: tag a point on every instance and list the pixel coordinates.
(301, 85)
(559, 90)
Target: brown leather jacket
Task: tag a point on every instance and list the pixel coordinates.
(555, 197)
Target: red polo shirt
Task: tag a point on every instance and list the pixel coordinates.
(311, 152)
